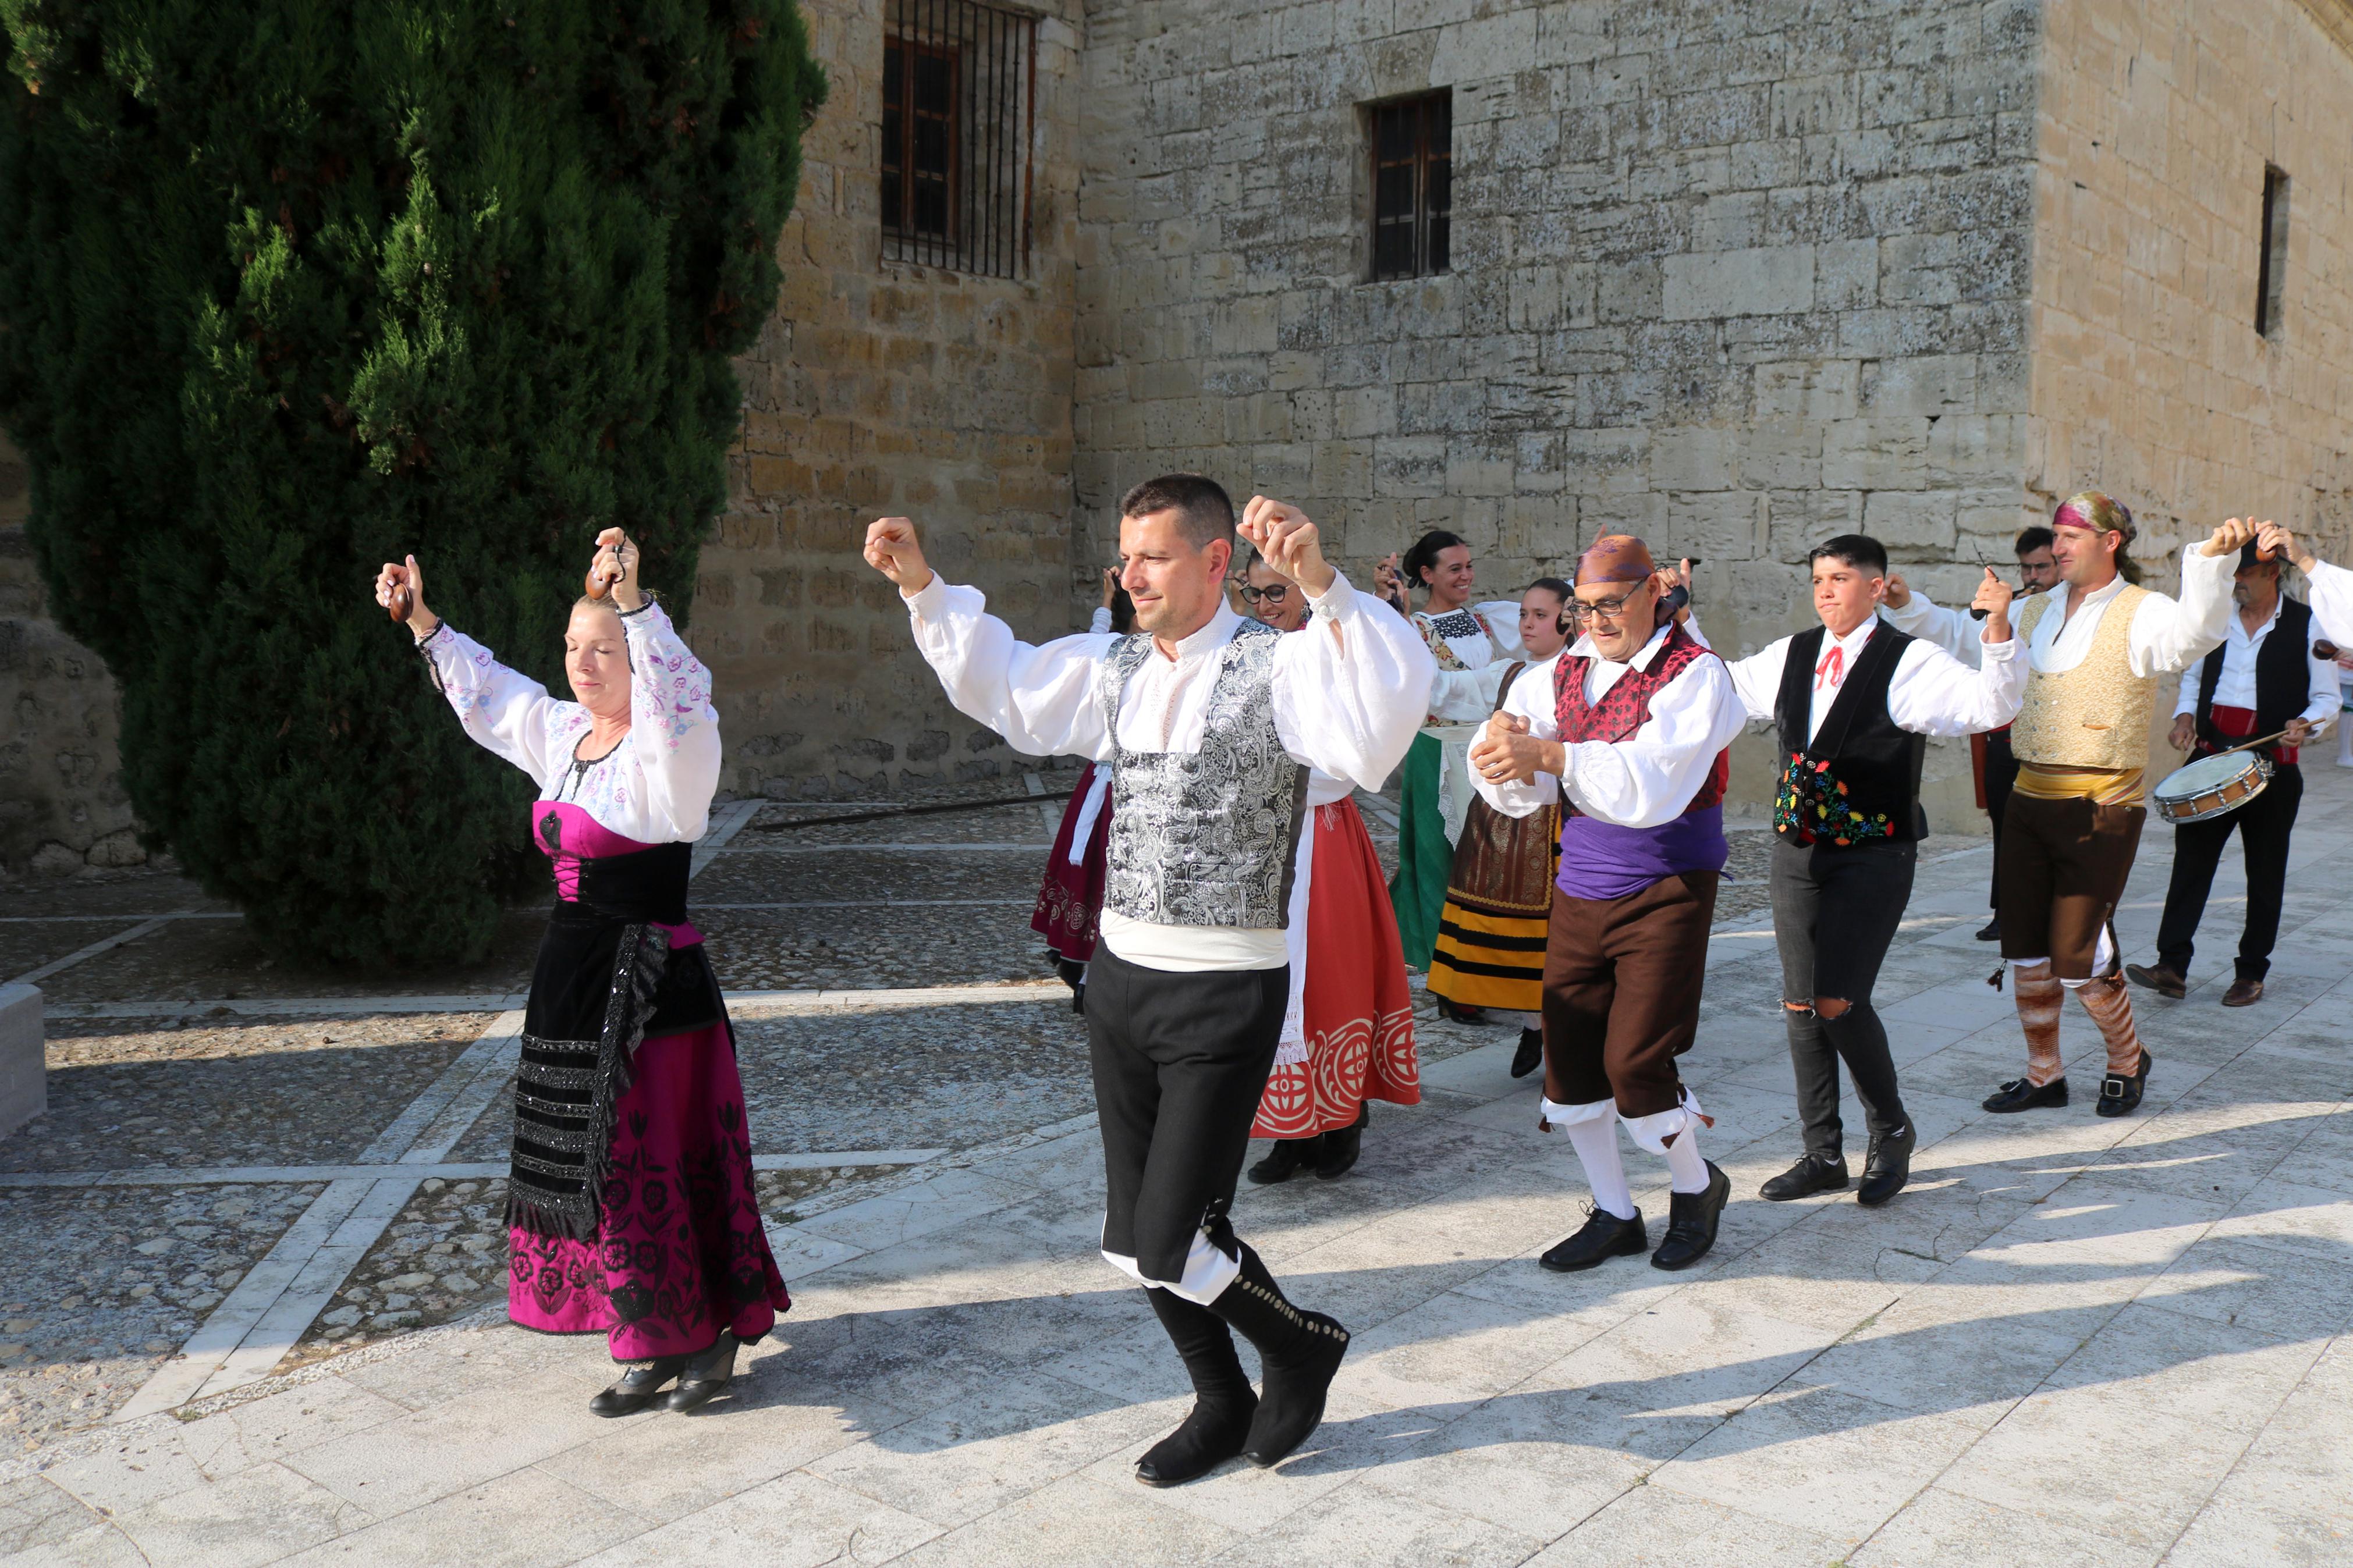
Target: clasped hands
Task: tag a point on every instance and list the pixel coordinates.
(1506, 753)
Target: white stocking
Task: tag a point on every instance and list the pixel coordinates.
(1686, 1172)
(1596, 1141)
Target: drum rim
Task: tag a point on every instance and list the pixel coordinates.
(2244, 764)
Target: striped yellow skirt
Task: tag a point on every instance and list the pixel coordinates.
(1491, 933)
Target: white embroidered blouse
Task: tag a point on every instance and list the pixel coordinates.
(655, 786)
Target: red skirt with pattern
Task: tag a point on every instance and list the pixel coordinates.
(1069, 899)
(1357, 1011)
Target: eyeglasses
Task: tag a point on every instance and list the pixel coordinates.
(1273, 596)
(1584, 610)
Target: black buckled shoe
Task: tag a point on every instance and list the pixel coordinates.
(1602, 1237)
(1287, 1159)
(1530, 1056)
(1691, 1220)
(1888, 1166)
(2025, 1094)
(640, 1386)
(2119, 1095)
(706, 1374)
(1343, 1145)
(1812, 1174)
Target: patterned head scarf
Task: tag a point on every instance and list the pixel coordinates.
(1614, 558)
(2100, 513)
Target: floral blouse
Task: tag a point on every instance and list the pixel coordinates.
(655, 786)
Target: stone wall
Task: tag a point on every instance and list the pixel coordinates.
(61, 800)
(878, 389)
(1736, 277)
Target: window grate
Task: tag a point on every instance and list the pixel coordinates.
(2271, 266)
(959, 95)
(1413, 185)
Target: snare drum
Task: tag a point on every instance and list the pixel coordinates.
(2211, 785)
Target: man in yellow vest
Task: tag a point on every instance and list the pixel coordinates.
(2098, 646)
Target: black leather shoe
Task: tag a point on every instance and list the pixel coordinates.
(640, 1386)
(1691, 1219)
(2024, 1094)
(1287, 1159)
(2119, 1095)
(1454, 1014)
(2162, 978)
(1812, 1174)
(1530, 1056)
(1888, 1166)
(706, 1374)
(1343, 1145)
(1602, 1237)
(1990, 931)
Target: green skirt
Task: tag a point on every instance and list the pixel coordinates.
(1418, 891)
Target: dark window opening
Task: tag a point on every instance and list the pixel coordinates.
(959, 92)
(2271, 269)
(1413, 185)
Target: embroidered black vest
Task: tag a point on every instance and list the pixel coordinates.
(2282, 684)
(1858, 779)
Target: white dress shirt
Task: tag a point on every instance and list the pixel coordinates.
(2332, 602)
(2236, 687)
(1348, 694)
(1930, 693)
(2167, 636)
(1640, 782)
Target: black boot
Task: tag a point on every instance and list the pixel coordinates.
(1222, 1401)
(1691, 1220)
(1530, 1056)
(1887, 1167)
(1342, 1145)
(1602, 1237)
(640, 1386)
(1287, 1159)
(706, 1374)
(1812, 1174)
(1298, 1354)
(1455, 1014)
(1074, 975)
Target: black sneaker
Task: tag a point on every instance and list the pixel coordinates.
(2024, 1094)
(1602, 1237)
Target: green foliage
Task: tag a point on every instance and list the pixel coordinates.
(290, 289)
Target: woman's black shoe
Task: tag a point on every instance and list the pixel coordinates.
(1287, 1159)
(2024, 1094)
(1530, 1056)
(640, 1386)
(1812, 1174)
(1299, 1356)
(2119, 1095)
(1218, 1424)
(1691, 1220)
(1454, 1014)
(1074, 975)
(1342, 1145)
(706, 1374)
(1602, 1237)
(1888, 1166)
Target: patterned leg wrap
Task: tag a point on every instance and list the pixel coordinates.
(2111, 1008)
(2038, 994)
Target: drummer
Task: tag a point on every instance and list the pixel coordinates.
(2267, 679)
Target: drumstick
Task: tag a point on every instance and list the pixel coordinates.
(2244, 746)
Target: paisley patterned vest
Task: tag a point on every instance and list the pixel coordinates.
(1624, 708)
(1209, 838)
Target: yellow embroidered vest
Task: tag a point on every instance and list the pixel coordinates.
(2096, 714)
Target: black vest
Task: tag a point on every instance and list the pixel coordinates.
(1859, 760)
(2282, 681)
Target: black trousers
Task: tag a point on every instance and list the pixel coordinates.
(2262, 824)
(1834, 911)
(2000, 773)
(1180, 1060)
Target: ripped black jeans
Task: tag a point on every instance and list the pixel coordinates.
(1834, 911)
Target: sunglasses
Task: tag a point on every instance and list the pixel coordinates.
(1273, 596)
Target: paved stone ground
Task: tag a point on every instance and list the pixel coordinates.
(2072, 1340)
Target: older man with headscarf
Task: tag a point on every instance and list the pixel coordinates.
(1630, 722)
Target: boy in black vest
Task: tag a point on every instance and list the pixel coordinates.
(1853, 700)
(2263, 680)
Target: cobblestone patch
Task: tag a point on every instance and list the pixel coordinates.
(188, 960)
(127, 1094)
(1745, 890)
(990, 824)
(786, 950)
(105, 1284)
(861, 874)
(27, 947)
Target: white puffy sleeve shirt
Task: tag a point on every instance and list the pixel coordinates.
(2332, 602)
(2166, 634)
(655, 786)
(1930, 692)
(1640, 782)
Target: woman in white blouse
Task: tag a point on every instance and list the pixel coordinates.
(630, 1207)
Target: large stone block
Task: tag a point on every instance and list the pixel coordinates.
(1756, 282)
(24, 1068)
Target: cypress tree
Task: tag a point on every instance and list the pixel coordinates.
(288, 289)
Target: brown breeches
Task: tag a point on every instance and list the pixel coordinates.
(1621, 992)
(2062, 872)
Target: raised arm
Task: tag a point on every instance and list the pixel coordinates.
(1914, 614)
(2332, 586)
(1351, 688)
(2169, 636)
(1756, 679)
(507, 712)
(1933, 693)
(674, 729)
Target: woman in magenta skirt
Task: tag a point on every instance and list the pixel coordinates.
(630, 1208)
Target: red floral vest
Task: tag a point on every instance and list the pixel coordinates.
(1626, 706)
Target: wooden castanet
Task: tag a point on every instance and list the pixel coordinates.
(403, 603)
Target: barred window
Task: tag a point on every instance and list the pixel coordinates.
(959, 92)
(1413, 186)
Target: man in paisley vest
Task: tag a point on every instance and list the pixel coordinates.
(1628, 724)
(1212, 724)
(2097, 644)
(1852, 701)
